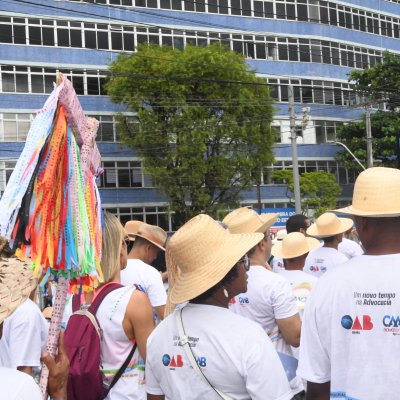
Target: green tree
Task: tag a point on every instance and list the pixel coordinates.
(202, 123)
(319, 190)
(384, 128)
(376, 85)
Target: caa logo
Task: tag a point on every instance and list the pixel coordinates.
(173, 362)
(314, 268)
(391, 324)
(348, 323)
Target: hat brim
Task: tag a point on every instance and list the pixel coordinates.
(345, 225)
(268, 221)
(192, 284)
(151, 241)
(361, 213)
(278, 251)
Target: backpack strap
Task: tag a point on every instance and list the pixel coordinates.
(76, 302)
(108, 288)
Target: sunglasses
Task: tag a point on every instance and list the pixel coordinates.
(245, 261)
(126, 241)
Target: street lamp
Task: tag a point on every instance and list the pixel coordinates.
(351, 153)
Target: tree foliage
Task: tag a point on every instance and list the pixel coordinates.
(384, 128)
(202, 122)
(318, 190)
(376, 85)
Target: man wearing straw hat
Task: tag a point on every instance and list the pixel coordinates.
(294, 248)
(149, 240)
(329, 228)
(269, 300)
(350, 341)
(202, 350)
(16, 283)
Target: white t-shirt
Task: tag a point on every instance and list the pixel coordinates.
(147, 278)
(350, 248)
(301, 284)
(24, 337)
(322, 260)
(351, 329)
(277, 264)
(233, 353)
(269, 297)
(17, 385)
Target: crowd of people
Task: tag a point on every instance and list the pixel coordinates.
(310, 314)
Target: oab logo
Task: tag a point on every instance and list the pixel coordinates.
(172, 362)
(355, 325)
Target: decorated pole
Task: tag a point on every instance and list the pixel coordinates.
(51, 209)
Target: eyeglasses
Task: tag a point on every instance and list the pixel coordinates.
(267, 236)
(245, 261)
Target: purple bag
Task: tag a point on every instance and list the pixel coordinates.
(82, 338)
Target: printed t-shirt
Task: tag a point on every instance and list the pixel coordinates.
(116, 346)
(233, 352)
(277, 264)
(17, 385)
(322, 260)
(350, 248)
(268, 298)
(24, 337)
(147, 278)
(301, 284)
(351, 330)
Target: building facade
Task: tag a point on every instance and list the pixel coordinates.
(309, 44)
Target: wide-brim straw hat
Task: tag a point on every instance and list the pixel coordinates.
(329, 224)
(200, 254)
(153, 234)
(17, 282)
(376, 193)
(132, 227)
(294, 245)
(246, 220)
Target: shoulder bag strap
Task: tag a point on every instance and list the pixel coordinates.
(189, 353)
(122, 369)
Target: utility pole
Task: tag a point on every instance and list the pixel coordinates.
(295, 161)
(370, 158)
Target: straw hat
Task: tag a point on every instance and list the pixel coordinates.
(245, 220)
(293, 245)
(329, 224)
(131, 228)
(200, 254)
(376, 193)
(153, 234)
(16, 283)
(279, 236)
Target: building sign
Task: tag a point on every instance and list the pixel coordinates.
(284, 214)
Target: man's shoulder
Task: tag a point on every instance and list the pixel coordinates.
(140, 265)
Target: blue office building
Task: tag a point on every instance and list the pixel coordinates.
(309, 44)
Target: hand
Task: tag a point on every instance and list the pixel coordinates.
(58, 371)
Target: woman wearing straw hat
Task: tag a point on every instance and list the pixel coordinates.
(330, 229)
(202, 350)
